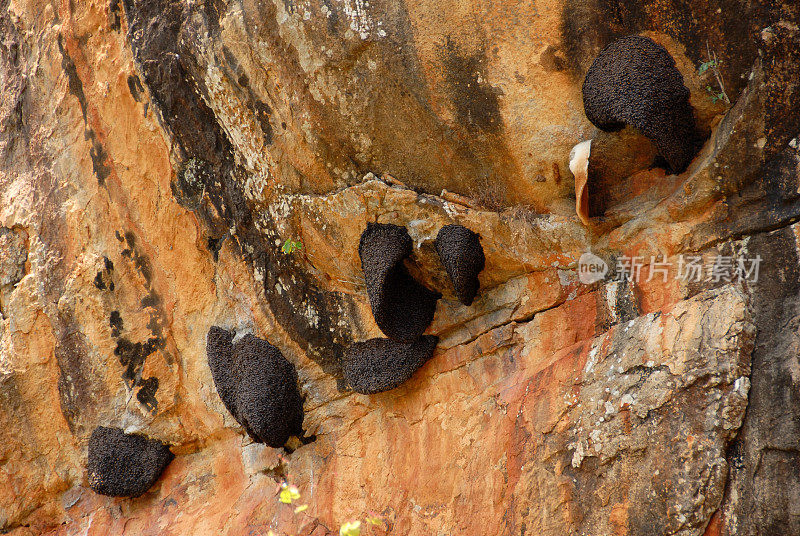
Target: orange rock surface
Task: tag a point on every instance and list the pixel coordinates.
(155, 155)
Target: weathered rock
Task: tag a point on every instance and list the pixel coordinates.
(155, 155)
(257, 385)
(13, 254)
(689, 364)
(379, 365)
(125, 465)
(634, 81)
(402, 307)
(462, 255)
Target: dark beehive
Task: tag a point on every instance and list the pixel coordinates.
(379, 365)
(462, 256)
(402, 307)
(125, 465)
(634, 81)
(257, 385)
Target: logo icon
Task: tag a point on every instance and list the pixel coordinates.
(591, 268)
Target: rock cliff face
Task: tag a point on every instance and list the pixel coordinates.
(156, 155)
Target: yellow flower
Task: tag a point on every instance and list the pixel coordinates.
(288, 494)
(351, 528)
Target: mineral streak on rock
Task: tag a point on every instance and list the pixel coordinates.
(125, 465)
(462, 255)
(402, 307)
(634, 81)
(257, 385)
(379, 365)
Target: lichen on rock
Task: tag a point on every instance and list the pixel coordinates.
(462, 255)
(257, 385)
(634, 81)
(379, 365)
(402, 307)
(125, 465)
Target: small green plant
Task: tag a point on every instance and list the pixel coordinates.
(706, 65)
(712, 66)
(290, 246)
(716, 97)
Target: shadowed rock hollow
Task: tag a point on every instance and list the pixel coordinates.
(634, 81)
(379, 365)
(402, 307)
(257, 385)
(463, 259)
(125, 465)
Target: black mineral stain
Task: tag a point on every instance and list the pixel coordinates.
(194, 177)
(462, 256)
(73, 80)
(290, 291)
(151, 300)
(214, 245)
(263, 113)
(159, 32)
(257, 385)
(476, 102)
(764, 456)
(132, 355)
(135, 87)
(379, 365)
(116, 324)
(114, 15)
(99, 156)
(97, 152)
(402, 307)
(634, 81)
(103, 280)
(288, 5)
(125, 465)
(333, 16)
(231, 63)
(140, 261)
(146, 395)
